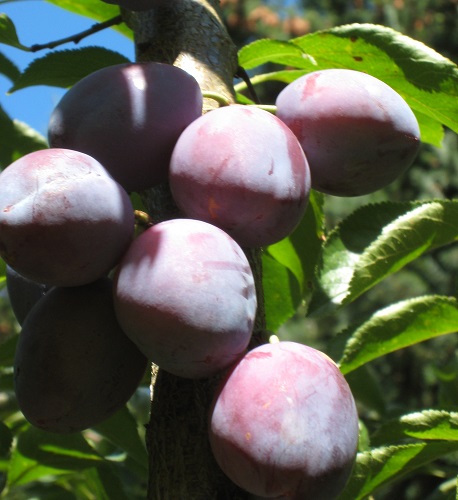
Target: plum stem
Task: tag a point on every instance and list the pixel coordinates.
(219, 98)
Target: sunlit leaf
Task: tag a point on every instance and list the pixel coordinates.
(397, 326)
(425, 425)
(376, 241)
(8, 33)
(424, 78)
(379, 466)
(63, 68)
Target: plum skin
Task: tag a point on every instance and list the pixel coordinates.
(129, 117)
(284, 422)
(63, 220)
(185, 294)
(358, 134)
(23, 293)
(74, 366)
(241, 169)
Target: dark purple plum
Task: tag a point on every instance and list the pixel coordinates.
(284, 424)
(23, 293)
(74, 365)
(129, 117)
(241, 169)
(358, 134)
(63, 219)
(137, 5)
(184, 293)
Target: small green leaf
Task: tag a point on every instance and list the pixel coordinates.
(63, 68)
(425, 425)
(18, 139)
(8, 34)
(397, 326)
(376, 241)
(379, 466)
(299, 252)
(282, 294)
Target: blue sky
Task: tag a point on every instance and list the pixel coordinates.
(41, 22)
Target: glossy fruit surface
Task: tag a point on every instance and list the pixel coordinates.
(74, 365)
(241, 169)
(63, 220)
(284, 423)
(358, 134)
(128, 117)
(184, 293)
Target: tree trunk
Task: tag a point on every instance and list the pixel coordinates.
(191, 35)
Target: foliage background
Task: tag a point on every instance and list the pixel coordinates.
(421, 376)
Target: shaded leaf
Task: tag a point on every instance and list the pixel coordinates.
(63, 68)
(376, 241)
(38, 454)
(121, 430)
(425, 425)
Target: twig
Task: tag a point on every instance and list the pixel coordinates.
(79, 36)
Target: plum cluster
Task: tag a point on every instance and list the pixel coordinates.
(97, 300)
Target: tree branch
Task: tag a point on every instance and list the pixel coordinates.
(78, 36)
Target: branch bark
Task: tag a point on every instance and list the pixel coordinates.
(189, 34)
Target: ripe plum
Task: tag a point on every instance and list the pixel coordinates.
(128, 117)
(63, 219)
(241, 169)
(184, 293)
(284, 423)
(23, 293)
(358, 134)
(74, 366)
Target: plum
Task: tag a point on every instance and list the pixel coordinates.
(241, 169)
(137, 5)
(63, 219)
(185, 294)
(74, 366)
(23, 293)
(284, 423)
(129, 117)
(358, 134)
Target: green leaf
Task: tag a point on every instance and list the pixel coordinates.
(94, 9)
(425, 79)
(376, 241)
(39, 453)
(299, 252)
(8, 68)
(384, 465)
(2, 262)
(8, 33)
(121, 430)
(397, 326)
(63, 68)
(282, 294)
(18, 139)
(425, 425)
(7, 351)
